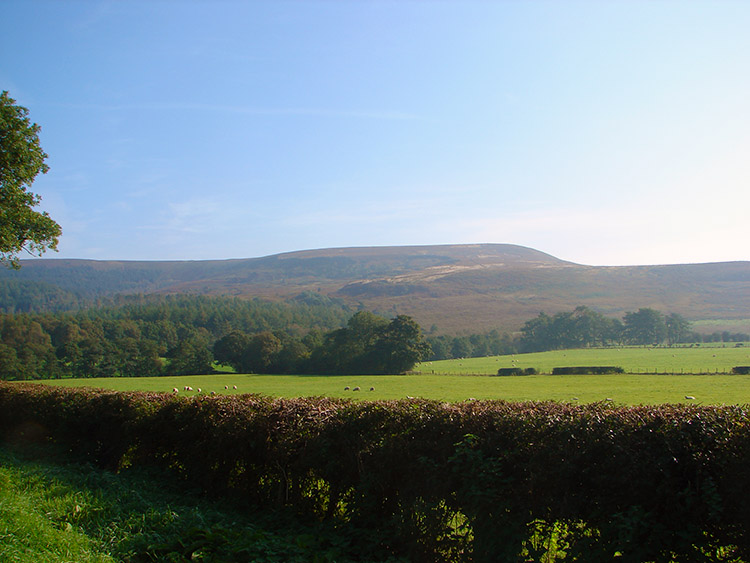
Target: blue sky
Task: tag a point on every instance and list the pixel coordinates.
(606, 133)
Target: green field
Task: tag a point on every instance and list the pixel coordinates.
(678, 360)
(673, 374)
(622, 389)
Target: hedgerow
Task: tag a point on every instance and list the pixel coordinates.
(517, 371)
(473, 481)
(587, 370)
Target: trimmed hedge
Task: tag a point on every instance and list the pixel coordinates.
(741, 370)
(517, 371)
(473, 481)
(587, 370)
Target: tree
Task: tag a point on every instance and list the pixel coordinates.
(21, 160)
(646, 326)
(678, 328)
(400, 346)
(260, 352)
(190, 357)
(229, 349)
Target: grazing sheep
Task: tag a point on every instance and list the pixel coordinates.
(607, 399)
(690, 397)
(346, 388)
(372, 388)
(174, 390)
(355, 389)
(575, 398)
(199, 389)
(226, 387)
(213, 392)
(188, 388)
(234, 387)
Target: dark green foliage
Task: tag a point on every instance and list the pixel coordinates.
(587, 370)
(370, 344)
(584, 328)
(580, 328)
(517, 371)
(190, 357)
(491, 343)
(131, 335)
(646, 326)
(724, 336)
(260, 352)
(21, 160)
(474, 481)
(17, 296)
(229, 349)
(678, 328)
(741, 370)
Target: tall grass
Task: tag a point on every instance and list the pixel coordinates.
(53, 510)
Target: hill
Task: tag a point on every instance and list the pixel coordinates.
(455, 287)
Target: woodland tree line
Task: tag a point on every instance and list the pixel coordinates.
(580, 328)
(177, 335)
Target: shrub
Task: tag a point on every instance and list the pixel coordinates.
(741, 370)
(517, 371)
(587, 370)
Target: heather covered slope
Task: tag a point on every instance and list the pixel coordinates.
(455, 287)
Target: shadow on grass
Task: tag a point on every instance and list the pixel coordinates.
(137, 516)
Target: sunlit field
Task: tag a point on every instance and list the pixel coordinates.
(677, 360)
(622, 389)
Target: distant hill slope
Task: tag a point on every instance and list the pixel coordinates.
(456, 287)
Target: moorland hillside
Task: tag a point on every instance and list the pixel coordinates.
(455, 288)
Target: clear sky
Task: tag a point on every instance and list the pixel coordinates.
(605, 133)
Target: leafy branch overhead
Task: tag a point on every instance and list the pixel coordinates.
(21, 161)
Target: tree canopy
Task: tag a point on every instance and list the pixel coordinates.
(21, 160)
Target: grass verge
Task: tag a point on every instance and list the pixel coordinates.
(56, 510)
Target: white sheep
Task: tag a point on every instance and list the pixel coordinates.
(372, 388)
(690, 397)
(174, 390)
(234, 387)
(226, 387)
(346, 388)
(355, 389)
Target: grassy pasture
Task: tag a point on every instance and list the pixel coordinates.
(622, 389)
(456, 380)
(678, 360)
